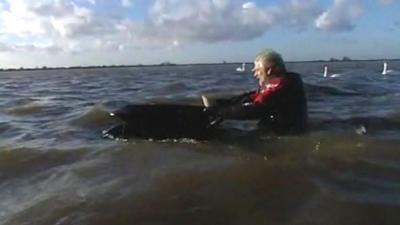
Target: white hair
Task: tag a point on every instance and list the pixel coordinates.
(269, 57)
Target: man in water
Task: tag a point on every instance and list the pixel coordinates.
(279, 103)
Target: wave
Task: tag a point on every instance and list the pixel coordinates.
(176, 86)
(361, 125)
(4, 127)
(30, 105)
(313, 89)
(354, 170)
(96, 116)
(27, 109)
(18, 162)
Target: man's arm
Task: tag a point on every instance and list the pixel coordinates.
(259, 106)
(242, 98)
(246, 111)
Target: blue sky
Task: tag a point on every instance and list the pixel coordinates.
(104, 32)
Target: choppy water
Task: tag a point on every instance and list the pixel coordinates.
(56, 169)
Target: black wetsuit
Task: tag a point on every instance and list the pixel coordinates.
(281, 106)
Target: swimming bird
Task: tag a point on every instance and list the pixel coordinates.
(332, 75)
(385, 69)
(241, 69)
(206, 103)
(325, 71)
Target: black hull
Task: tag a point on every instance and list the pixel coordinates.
(162, 122)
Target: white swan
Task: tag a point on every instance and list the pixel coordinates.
(385, 69)
(241, 69)
(325, 71)
(206, 103)
(332, 75)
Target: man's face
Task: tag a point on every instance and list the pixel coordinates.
(259, 70)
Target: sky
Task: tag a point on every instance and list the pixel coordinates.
(36, 33)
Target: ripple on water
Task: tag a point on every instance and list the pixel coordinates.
(95, 116)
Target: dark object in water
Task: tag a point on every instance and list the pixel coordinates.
(162, 121)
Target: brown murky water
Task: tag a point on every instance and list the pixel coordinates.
(56, 169)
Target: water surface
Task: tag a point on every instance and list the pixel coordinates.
(56, 169)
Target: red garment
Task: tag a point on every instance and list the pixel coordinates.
(272, 86)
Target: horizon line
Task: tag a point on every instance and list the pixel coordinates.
(332, 60)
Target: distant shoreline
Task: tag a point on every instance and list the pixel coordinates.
(189, 64)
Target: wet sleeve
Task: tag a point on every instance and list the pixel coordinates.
(242, 98)
(246, 111)
(259, 107)
(245, 97)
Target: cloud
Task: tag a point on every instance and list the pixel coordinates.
(57, 22)
(30, 48)
(72, 25)
(93, 2)
(340, 16)
(299, 13)
(75, 26)
(249, 5)
(4, 47)
(127, 3)
(222, 20)
(207, 20)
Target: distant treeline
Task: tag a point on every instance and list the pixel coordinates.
(344, 59)
(85, 67)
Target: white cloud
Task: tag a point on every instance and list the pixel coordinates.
(249, 5)
(213, 21)
(57, 22)
(340, 16)
(75, 25)
(127, 3)
(93, 2)
(300, 13)
(20, 20)
(192, 20)
(4, 47)
(30, 48)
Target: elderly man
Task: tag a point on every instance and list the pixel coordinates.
(279, 103)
